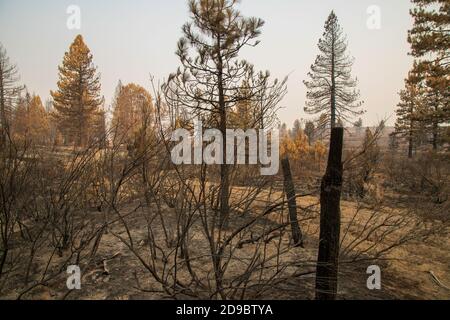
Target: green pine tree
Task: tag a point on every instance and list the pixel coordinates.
(331, 88)
(430, 45)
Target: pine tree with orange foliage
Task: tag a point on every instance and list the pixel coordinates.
(295, 144)
(133, 110)
(320, 150)
(31, 122)
(77, 99)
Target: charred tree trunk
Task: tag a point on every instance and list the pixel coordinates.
(3, 260)
(289, 189)
(224, 174)
(330, 197)
(224, 168)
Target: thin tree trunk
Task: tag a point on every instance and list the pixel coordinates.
(224, 168)
(289, 188)
(330, 196)
(435, 125)
(410, 146)
(224, 179)
(411, 133)
(3, 120)
(3, 260)
(333, 87)
(435, 135)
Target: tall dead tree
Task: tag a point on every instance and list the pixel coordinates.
(289, 188)
(330, 220)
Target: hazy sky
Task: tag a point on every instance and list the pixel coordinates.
(131, 39)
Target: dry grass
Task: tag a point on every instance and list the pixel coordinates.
(406, 269)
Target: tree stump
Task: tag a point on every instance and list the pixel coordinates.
(289, 189)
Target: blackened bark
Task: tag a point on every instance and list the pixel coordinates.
(435, 127)
(3, 260)
(330, 196)
(289, 188)
(224, 174)
(224, 169)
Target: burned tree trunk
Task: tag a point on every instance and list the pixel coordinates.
(292, 205)
(330, 197)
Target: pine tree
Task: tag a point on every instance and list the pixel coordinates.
(366, 163)
(132, 105)
(435, 109)
(77, 99)
(244, 114)
(99, 133)
(31, 121)
(310, 131)
(332, 93)
(9, 92)
(331, 89)
(283, 129)
(319, 152)
(287, 146)
(294, 143)
(38, 123)
(430, 33)
(211, 78)
(430, 45)
(19, 125)
(358, 123)
(406, 114)
(302, 147)
(296, 128)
